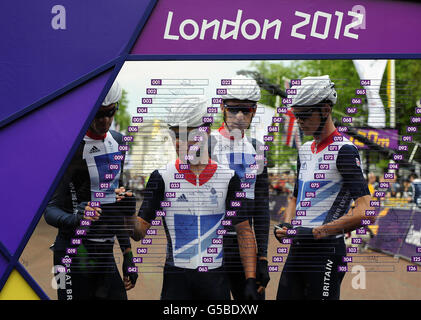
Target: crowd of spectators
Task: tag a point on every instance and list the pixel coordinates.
(401, 190)
(282, 184)
(399, 187)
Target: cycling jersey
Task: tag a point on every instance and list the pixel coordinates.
(239, 155)
(247, 158)
(92, 175)
(194, 211)
(329, 176)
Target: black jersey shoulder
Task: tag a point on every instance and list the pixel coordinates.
(117, 136)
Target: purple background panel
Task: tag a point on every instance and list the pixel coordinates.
(3, 265)
(391, 27)
(410, 249)
(37, 60)
(392, 230)
(34, 149)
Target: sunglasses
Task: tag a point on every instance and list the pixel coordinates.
(304, 115)
(108, 113)
(246, 110)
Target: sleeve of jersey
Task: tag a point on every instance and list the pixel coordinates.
(349, 166)
(119, 139)
(261, 216)
(152, 197)
(234, 186)
(121, 232)
(56, 213)
(295, 194)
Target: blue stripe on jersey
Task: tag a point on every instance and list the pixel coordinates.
(188, 253)
(102, 163)
(326, 193)
(186, 230)
(208, 221)
(220, 254)
(207, 242)
(241, 167)
(320, 218)
(307, 188)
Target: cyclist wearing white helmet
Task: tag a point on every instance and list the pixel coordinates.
(230, 146)
(89, 179)
(329, 177)
(196, 198)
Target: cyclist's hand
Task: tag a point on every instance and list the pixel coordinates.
(262, 275)
(92, 213)
(280, 231)
(128, 283)
(126, 202)
(130, 278)
(121, 193)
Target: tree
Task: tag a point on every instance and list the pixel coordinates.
(122, 117)
(345, 76)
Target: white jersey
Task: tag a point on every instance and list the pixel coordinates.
(194, 210)
(239, 155)
(329, 177)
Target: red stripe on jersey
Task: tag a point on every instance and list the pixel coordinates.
(222, 130)
(204, 176)
(327, 141)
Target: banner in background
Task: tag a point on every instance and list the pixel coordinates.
(399, 232)
(412, 241)
(387, 138)
(373, 70)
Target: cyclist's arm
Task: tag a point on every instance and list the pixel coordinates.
(245, 235)
(292, 203)
(348, 222)
(123, 234)
(153, 195)
(247, 248)
(349, 165)
(59, 211)
(289, 215)
(59, 218)
(290, 210)
(261, 217)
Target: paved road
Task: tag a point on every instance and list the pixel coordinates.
(386, 277)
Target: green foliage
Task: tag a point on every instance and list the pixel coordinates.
(345, 76)
(408, 92)
(217, 120)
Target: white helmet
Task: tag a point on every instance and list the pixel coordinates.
(242, 88)
(313, 90)
(188, 112)
(114, 95)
